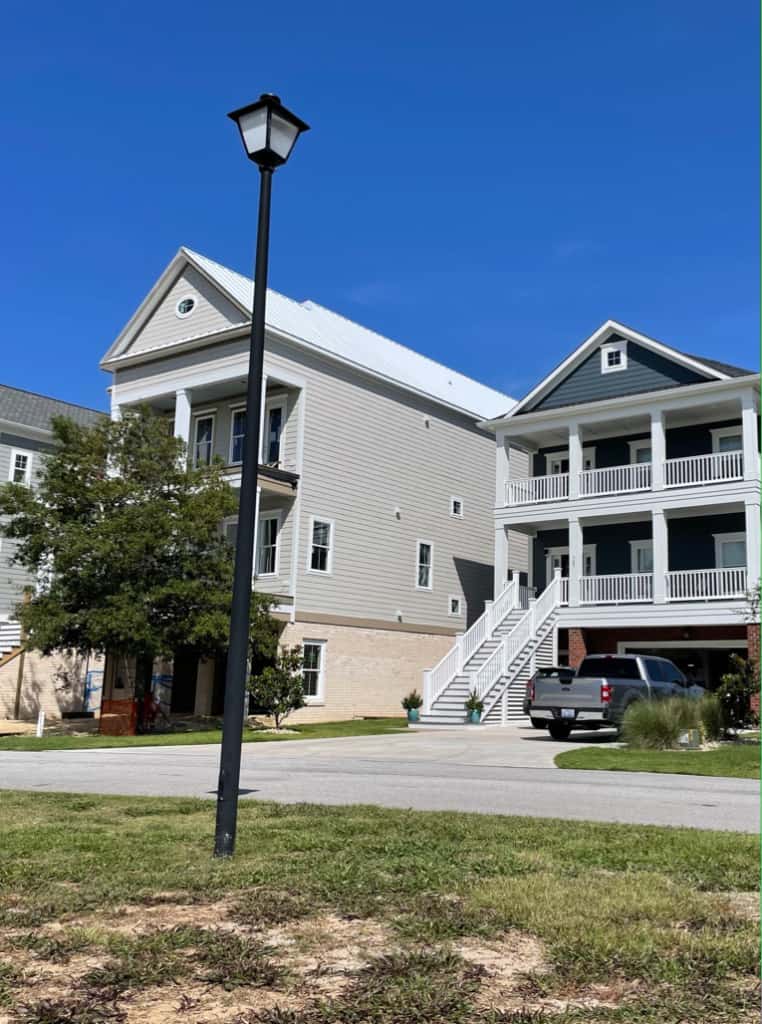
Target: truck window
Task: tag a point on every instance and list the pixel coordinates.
(657, 671)
(611, 668)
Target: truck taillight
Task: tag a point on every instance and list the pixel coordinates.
(605, 693)
(530, 689)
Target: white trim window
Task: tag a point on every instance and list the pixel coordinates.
(642, 555)
(455, 605)
(614, 356)
(727, 439)
(268, 535)
(313, 670)
(640, 452)
(20, 469)
(230, 530)
(185, 306)
(237, 434)
(203, 439)
(558, 462)
(730, 550)
(272, 435)
(321, 545)
(424, 565)
(456, 508)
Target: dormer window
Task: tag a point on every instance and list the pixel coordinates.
(614, 357)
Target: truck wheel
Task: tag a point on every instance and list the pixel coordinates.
(538, 723)
(559, 730)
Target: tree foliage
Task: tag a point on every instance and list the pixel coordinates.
(279, 688)
(736, 690)
(125, 540)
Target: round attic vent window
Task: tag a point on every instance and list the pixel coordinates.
(185, 306)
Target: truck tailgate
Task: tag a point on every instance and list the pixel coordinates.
(567, 693)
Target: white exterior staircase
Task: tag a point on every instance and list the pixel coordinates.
(495, 657)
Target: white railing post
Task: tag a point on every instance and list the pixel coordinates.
(459, 645)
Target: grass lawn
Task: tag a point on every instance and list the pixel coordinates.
(112, 910)
(732, 760)
(321, 730)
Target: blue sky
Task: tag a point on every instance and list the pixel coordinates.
(486, 182)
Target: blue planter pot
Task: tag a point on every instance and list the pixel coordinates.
(474, 717)
(413, 714)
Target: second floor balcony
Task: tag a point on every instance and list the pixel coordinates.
(688, 471)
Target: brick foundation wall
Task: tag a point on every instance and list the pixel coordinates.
(752, 638)
(577, 646)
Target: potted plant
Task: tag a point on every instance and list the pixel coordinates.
(474, 706)
(411, 704)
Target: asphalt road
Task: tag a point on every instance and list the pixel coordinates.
(490, 771)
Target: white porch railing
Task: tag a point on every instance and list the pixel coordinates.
(705, 584)
(625, 588)
(498, 663)
(615, 479)
(564, 590)
(467, 644)
(10, 635)
(703, 469)
(534, 489)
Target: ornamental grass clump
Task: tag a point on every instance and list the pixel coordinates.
(712, 718)
(657, 724)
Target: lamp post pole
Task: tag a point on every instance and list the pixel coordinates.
(238, 650)
(268, 132)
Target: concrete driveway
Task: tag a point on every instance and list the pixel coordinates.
(490, 771)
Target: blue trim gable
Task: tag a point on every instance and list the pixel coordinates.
(646, 371)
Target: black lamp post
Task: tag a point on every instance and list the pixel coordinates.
(268, 132)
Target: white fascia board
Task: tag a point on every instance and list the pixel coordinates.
(177, 264)
(23, 428)
(240, 330)
(590, 412)
(597, 337)
(683, 613)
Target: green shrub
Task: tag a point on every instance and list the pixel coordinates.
(656, 725)
(738, 687)
(712, 717)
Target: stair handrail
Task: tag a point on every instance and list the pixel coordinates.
(437, 679)
(511, 646)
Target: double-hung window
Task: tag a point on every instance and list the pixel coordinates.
(424, 565)
(237, 434)
(321, 545)
(21, 467)
(313, 668)
(642, 555)
(727, 439)
(267, 546)
(203, 441)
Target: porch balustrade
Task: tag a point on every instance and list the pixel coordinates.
(691, 471)
(627, 588)
(706, 584)
(703, 469)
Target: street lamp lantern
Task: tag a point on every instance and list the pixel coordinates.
(268, 130)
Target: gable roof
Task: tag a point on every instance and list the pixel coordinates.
(710, 368)
(28, 409)
(324, 331)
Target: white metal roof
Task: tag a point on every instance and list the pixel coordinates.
(322, 329)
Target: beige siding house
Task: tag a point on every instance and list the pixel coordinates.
(375, 525)
(30, 683)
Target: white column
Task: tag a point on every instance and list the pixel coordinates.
(116, 409)
(658, 449)
(501, 560)
(262, 420)
(752, 544)
(256, 533)
(183, 415)
(750, 437)
(502, 468)
(576, 561)
(575, 459)
(660, 535)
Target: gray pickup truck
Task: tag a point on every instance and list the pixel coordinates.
(601, 691)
